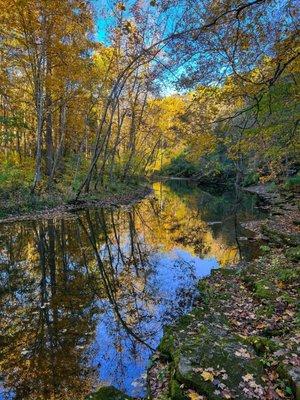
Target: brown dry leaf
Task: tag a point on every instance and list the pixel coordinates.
(290, 313)
(242, 353)
(261, 325)
(247, 377)
(280, 393)
(281, 285)
(226, 394)
(273, 375)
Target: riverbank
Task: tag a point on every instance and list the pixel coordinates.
(57, 207)
(241, 339)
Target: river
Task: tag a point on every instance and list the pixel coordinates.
(83, 300)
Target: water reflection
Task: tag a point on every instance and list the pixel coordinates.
(83, 300)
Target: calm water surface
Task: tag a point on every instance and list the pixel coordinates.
(83, 301)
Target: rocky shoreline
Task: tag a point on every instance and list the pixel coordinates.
(241, 341)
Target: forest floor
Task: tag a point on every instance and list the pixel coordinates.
(241, 341)
(42, 208)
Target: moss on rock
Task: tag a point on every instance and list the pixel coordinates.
(207, 346)
(264, 289)
(261, 344)
(279, 237)
(217, 355)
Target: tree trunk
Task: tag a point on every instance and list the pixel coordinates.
(39, 139)
(48, 138)
(62, 129)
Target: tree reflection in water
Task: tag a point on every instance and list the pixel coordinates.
(83, 301)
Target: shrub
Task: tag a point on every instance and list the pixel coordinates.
(180, 166)
(252, 178)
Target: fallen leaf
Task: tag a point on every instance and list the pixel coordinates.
(207, 376)
(194, 396)
(247, 377)
(280, 393)
(261, 325)
(242, 353)
(290, 313)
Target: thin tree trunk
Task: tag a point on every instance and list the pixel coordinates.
(48, 137)
(59, 151)
(39, 139)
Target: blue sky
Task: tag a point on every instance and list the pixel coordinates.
(103, 21)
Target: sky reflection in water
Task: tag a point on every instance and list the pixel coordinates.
(83, 301)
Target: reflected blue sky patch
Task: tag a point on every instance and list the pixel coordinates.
(169, 292)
